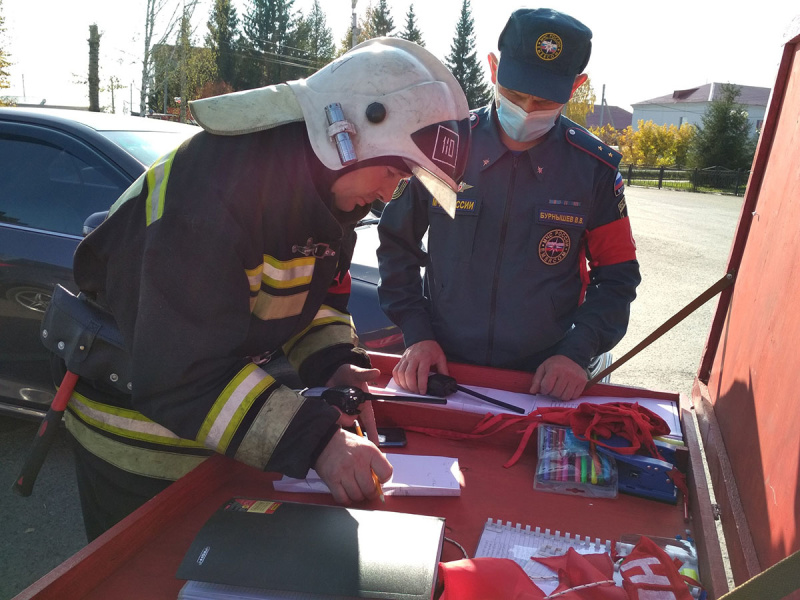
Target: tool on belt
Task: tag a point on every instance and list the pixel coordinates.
(86, 337)
(444, 385)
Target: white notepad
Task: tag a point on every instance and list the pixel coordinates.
(413, 475)
(519, 543)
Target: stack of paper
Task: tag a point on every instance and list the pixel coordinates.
(413, 476)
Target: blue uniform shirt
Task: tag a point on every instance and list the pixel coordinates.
(538, 261)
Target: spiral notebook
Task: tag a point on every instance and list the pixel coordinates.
(520, 542)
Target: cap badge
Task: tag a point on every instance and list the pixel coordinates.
(549, 46)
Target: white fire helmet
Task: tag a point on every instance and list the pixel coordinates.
(386, 97)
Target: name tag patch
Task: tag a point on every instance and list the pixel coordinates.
(560, 218)
(464, 206)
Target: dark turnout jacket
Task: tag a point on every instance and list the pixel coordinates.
(226, 250)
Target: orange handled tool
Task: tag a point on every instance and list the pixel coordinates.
(45, 436)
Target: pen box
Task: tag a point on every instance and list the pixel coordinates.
(567, 465)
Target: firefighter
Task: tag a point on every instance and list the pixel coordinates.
(507, 283)
(236, 246)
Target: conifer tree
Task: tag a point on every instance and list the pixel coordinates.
(411, 32)
(724, 139)
(223, 24)
(463, 62)
(314, 38)
(380, 22)
(268, 27)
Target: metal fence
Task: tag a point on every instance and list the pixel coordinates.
(712, 179)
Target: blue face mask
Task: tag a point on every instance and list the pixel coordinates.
(524, 126)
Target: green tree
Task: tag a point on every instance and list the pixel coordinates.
(463, 63)
(724, 139)
(411, 32)
(380, 22)
(223, 24)
(313, 38)
(5, 61)
(581, 103)
(269, 27)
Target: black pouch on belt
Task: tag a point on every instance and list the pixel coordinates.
(87, 338)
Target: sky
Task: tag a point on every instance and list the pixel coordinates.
(641, 49)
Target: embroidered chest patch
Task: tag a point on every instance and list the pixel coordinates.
(561, 218)
(554, 246)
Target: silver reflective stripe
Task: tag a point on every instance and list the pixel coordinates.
(232, 405)
(141, 428)
(159, 464)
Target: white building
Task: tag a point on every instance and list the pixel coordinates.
(689, 106)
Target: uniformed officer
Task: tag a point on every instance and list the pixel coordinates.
(538, 269)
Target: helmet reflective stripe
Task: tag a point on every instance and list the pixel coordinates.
(157, 176)
(231, 406)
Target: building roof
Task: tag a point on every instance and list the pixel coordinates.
(749, 95)
(618, 117)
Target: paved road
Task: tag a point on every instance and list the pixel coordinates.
(683, 242)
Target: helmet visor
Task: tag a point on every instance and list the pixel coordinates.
(446, 145)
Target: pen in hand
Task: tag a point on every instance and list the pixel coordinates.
(374, 476)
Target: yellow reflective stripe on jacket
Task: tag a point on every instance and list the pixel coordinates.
(231, 406)
(280, 274)
(254, 278)
(268, 428)
(267, 307)
(330, 327)
(160, 464)
(125, 423)
(157, 176)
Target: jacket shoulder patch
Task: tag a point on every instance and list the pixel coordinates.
(400, 189)
(580, 138)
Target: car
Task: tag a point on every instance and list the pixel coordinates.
(59, 168)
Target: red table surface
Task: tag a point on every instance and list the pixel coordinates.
(139, 557)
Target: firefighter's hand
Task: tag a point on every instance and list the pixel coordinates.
(412, 370)
(559, 377)
(346, 465)
(353, 376)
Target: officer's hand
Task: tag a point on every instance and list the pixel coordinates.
(358, 377)
(559, 377)
(412, 370)
(346, 466)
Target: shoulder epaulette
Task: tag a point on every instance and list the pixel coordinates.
(581, 138)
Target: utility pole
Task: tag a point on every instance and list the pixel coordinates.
(354, 26)
(602, 106)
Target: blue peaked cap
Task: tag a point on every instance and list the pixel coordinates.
(541, 53)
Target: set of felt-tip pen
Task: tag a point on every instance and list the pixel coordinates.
(570, 465)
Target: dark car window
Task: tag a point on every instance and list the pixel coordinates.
(53, 183)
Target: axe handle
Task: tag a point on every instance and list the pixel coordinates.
(45, 436)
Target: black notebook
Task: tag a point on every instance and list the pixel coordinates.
(309, 550)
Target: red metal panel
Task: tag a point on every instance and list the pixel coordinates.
(753, 343)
